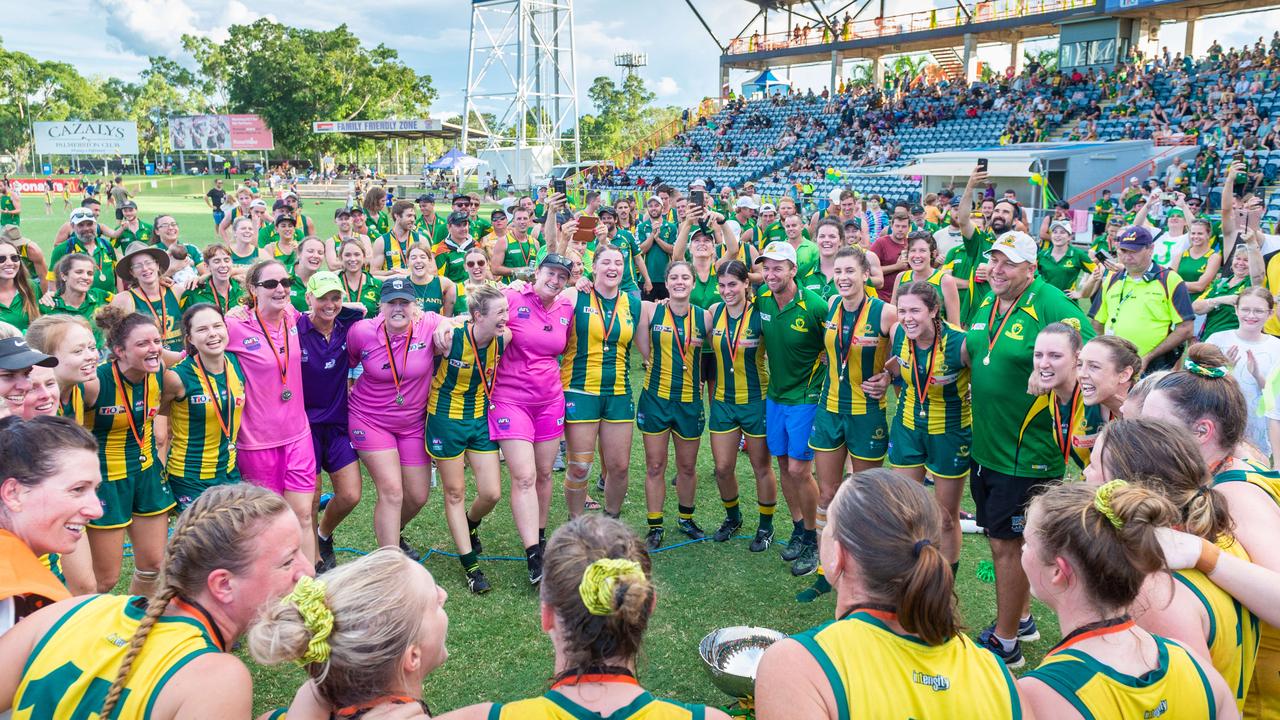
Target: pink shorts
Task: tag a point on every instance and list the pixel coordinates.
(371, 436)
(281, 469)
(531, 423)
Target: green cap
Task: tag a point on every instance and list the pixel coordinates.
(1176, 212)
(323, 283)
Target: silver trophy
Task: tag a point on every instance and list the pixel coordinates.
(731, 656)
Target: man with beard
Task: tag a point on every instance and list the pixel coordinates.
(970, 264)
(1015, 446)
(132, 228)
(429, 223)
(656, 240)
(86, 240)
(891, 251)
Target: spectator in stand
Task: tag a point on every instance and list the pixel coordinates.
(891, 249)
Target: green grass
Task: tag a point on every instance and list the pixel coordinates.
(497, 651)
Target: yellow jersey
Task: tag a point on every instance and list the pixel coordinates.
(1233, 630)
(1176, 689)
(675, 354)
(597, 359)
(1263, 700)
(554, 706)
(876, 673)
(72, 667)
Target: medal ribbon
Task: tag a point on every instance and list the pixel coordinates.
(128, 401)
(992, 340)
(1060, 435)
(275, 354)
(217, 301)
(735, 337)
(359, 288)
(485, 377)
(391, 358)
(1096, 629)
(210, 384)
(922, 386)
(683, 345)
(161, 318)
(844, 344)
(613, 316)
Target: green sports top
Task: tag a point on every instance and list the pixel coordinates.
(737, 344)
(1062, 273)
(675, 354)
(794, 336)
(1016, 435)
(856, 346)
(463, 375)
(945, 406)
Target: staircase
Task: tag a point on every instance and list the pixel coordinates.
(951, 63)
(1062, 131)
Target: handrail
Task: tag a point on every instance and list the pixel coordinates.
(1118, 178)
(983, 11)
(660, 136)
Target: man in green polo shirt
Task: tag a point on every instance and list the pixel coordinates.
(976, 240)
(607, 231)
(807, 255)
(429, 223)
(451, 251)
(1144, 303)
(792, 322)
(1015, 444)
(85, 239)
(657, 236)
(132, 228)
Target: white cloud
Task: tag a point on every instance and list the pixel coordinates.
(666, 86)
(156, 27)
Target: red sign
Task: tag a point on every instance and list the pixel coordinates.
(220, 132)
(32, 186)
(250, 132)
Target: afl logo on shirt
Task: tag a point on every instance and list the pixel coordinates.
(252, 342)
(522, 312)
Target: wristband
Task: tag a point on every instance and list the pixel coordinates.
(1208, 560)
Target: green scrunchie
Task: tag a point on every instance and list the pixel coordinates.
(1102, 501)
(1197, 369)
(308, 597)
(600, 579)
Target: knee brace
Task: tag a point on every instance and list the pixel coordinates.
(146, 576)
(579, 470)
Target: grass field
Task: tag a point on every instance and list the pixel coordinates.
(497, 651)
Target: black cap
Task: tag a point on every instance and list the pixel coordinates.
(557, 261)
(1063, 205)
(341, 211)
(15, 354)
(917, 209)
(397, 288)
(426, 197)
(498, 213)
(457, 217)
(456, 198)
(128, 205)
(279, 205)
(286, 218)
(608, 210)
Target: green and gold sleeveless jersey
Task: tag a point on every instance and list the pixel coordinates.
(395, 253)
(122, 422)
(1233, 631)
(941, 369)
(597, 358)
(742, 369)
(856, 346)
(72, 668)
(519, 255)
(1191, 268)
(554, 706)
(368, 292)
(204, 425)
(167, 310)
(430, 295)
(463, 375)
(675, 354)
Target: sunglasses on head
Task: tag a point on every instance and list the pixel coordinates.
(273, 284)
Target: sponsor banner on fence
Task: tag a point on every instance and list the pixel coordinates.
(220, 132)
(86, 137)
(36, 185)
(377, 126)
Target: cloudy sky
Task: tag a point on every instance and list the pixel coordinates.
(115, 37)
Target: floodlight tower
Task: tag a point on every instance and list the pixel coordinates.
(521, 68)
(630, 62)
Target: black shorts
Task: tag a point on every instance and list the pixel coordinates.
(1002, 500)
(659, 292)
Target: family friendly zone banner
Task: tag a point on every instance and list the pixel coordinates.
(86, 137)
(36, 185)
(377, 126)
(220, 132)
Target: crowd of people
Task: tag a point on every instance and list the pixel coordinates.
(847, 352)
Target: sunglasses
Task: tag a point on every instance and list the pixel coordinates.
(475, 263)
(273, 284)
(15, 259)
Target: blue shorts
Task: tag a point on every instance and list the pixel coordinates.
(333, 447)
(787, 429)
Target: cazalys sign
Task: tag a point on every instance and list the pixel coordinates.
(86, 137)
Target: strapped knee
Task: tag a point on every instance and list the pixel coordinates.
(146, 576)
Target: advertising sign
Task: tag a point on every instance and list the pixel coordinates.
(377, 126)
(86, 137)
(220, 132)
(36, 185)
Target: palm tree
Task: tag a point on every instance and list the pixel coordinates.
(1048, 59)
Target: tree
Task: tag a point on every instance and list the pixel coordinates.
(295, 76)
(1048, 59)
(624, 116)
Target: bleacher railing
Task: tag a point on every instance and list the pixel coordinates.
(1116, 183)
(664, 134)
(901, 24)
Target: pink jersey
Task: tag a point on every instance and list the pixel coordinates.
(374, 394)
(529, 371)
(269, 420)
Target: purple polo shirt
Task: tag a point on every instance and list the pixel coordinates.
(325, 368)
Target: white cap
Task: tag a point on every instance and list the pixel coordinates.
(698, 182)
(1133, 179)
(290, 194)
(1064, 224)
(258, 204)
(80, 215)
(1016, 245)
(746, 201)
(778, 250)
(768, 207)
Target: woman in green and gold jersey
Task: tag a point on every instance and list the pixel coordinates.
(458, 421)
(75, 293)
(922, 256)
(1164, 459)
(133, 388)
(737, 402)
(1218, 301)
(670, 338)
(1076, 424)
(596, 372)
(850, 426)
(244, 248)
(1199, 264)
(205, 417)
(932, 430)
(1088, 553)
(219, 288)
(895, 647)
(358, 284)
(435, 293)
(476, 263)
(140, 270)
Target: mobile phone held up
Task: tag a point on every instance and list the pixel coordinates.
(558, 186)
(982, 164)
(698, 197)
